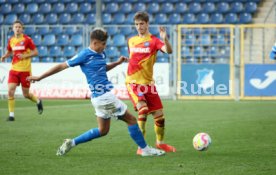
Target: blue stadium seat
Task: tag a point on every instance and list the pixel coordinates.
(58, 8)
(139, 7)
(181, 8)
(40, 1)
(69, 30)
(32, 8)
(47, 60)
(10, 18)
(197, 31)
(45, 8)
(205, 40)
(194, 7)
(153, 8)
(90, 18)
(49, 39)
(18, 8)
(190, 40)
(111, 8)
(43, 30)
(6, 8)
(124, 51)
(85, 7)
(25, 18)
(190, 60)
(160, 18)
(35, 59)
(199, 51)
(224, 31)
(250, 7)
(125, 7)
(167, 8)
(69, 51)
(77, 18)
(119, 40)
(223, 7)
(185, 51)
(38, 18)
(112, 30)
(202, 18)
(213, 51)
(42, 51)
(76, 40)
(60, 60)
(30, 30)
(154, 30)
(189, 18)
(51, 18)
(13, 1)
(56, 30)
(126, 30)
(37, 39)
(219, 40)
(112, 52)
(231, 18)
(175, 18)
(55, 51)
(71, 7)
(26, 1)
(209, 7)
(62, 40)
(245, 18)
(216, 18)
(236, 7)
(64, 18)
(118, 18)
(130, 18)
(107, 19)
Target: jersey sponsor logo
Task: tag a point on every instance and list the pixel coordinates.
(15, 48)
(146, 44)
(140, 50)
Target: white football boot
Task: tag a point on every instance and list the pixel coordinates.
(65, 147)
(149, 151)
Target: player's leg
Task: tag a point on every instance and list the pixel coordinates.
(11, 100)
(26, 91)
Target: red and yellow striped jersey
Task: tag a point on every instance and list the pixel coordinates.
(142, 56)
(22, 45)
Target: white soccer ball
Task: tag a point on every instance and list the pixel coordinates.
(201, 141)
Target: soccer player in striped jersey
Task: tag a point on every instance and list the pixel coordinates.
(92, 62)
(22, 48)
(143, 49)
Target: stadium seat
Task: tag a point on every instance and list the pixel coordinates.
(224, 31)
(205, 40)
(42, 51)
(130, 18)
(202, 18)
(185, 51)
(250, 7)
(209, 7)
(32, 8)
(60, 59)
(124, 51)
(223, 7)
(198, 51)
(77, 18)
(112, 52)
(49, 39)
(18, 8)
(45, 8)
(107, 19)
(64, 18)
(51, 18)
(111, 8)
(6, 8)
(125, 7)
(58, 8)
(216, 18)
(85, 8)
(236, 7)
(154, 30)
(139, 7)
(69, 51)
(90, 18)
(166, 8)
(38, 18)
(190, 60)
(37, 39)
(245, 18)
(10, 18)
(181, 8)
(119, 40)
(62, 40)
(35, 60)
(231, 18)
(194, 7)
(55, 51)
(13, 1)
(56, 30)
(213, 51)
(118, 18)
(25, 18)
(160, 18)
(71, 7)
(174, 18)
(126, 30)
(47, 60)
(69, 30)
(219, 40)
(76, 40)
(30, 30)
(43, 30)
(153, 8)
(189, 18)
(112, 30)
(190, 40)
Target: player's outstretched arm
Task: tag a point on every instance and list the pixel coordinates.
(167, 48)
(6, 55)
(116, 63)
(48, 73)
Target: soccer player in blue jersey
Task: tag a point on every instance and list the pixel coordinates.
(273, 52)
(92, 62)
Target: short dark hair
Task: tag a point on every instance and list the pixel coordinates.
(99, 34)
(18, 22)
(141, 16)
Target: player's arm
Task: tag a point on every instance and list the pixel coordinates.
(6, 55)
(167, 48)
(33, 53)
(116, 63)
(53, 70)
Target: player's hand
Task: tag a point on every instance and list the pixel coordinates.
(122, 59)
(163, 33)
(3, 59)
(20, 56)
(33, 79)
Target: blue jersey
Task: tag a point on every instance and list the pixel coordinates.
(93, 65)
(273, 52)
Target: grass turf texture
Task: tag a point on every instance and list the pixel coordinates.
(243, 140)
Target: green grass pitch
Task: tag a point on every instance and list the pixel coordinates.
(243, 140)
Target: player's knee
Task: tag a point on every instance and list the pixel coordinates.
(103, 131)
(159, 121)
(143, 110)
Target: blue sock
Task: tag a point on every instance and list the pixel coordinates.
(87, 136)
(137, 135)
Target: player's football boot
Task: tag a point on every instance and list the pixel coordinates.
(65, 147)
(10, 119)
(149, 151)
(166, 147)
(39, 107)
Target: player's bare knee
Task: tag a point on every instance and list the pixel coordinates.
(159, 121)
(104, 132)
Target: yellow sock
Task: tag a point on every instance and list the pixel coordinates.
(11, 104)
(142, 124)
(33, 98)
(160, 132)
